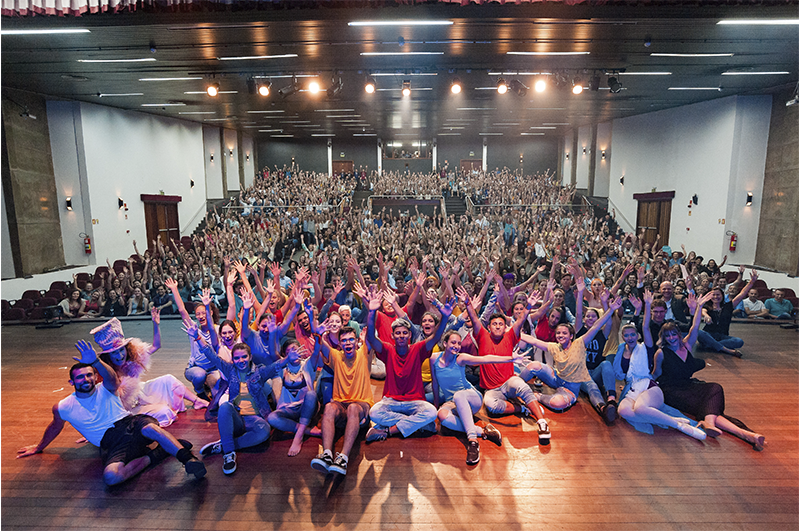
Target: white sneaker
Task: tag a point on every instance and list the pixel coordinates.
(544, 432)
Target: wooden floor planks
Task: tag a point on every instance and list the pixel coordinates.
(591, 477)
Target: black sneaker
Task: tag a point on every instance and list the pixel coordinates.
(339, 465)
(610, 411)
(322, 463)
(196, 467)
(473, 453)
(211, 448)
(544, 432)
(490, 433)
(229, 463)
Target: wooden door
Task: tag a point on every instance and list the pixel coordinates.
(161, 220)
(653, 216)
(470, 165)
(343, 166)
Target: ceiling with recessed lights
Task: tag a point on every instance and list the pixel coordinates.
(658, 57)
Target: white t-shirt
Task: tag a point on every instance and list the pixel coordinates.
(93, 415)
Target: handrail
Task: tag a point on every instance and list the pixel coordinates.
(192, 223)
(619, 213)
(470, 206)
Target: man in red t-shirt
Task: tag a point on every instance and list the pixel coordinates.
(499, 380)
(403, 408)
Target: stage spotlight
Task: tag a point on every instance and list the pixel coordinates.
(369, 85)
(212, 89)
(263, 89)
(577, 87)
(517, 87)
(614, 84)
(407, 87)
(335, 88)
(289, 89)
(314, 87)
(540, 85)
(455, 86)
(502, 88)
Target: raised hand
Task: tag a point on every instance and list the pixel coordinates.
(534, 298)
(171, 283)
(240, 267)
(389, 296)
(248, 300)
(691, 302)
(647, 297)
(616, 304)
(447, 309)
(373, 300)
(462, 294)
(636, 302)
(87, 353)
(231, 279)
(205, 297)
(155, 315)
(337, 288)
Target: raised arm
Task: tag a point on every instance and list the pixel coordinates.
(445, 310)
(648, 301)
(533, 298)
(155, 315)
(473, 315)
(742, 294)
(89, 356)
(691, 339)
(172, 285)
(589, 335)
(373, 302)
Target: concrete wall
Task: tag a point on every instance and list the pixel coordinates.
(32, 230)
(311, 156)
(778, 219)
(248, 160)
(581, 158)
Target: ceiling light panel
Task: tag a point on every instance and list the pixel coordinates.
(362, 23)
(257, 57)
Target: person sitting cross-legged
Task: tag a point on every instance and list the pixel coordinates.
(403, 408)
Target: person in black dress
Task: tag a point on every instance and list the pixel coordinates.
(674, 368)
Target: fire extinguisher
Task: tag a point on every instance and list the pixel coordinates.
(87, 244)
(734, 239)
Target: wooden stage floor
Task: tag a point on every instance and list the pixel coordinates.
(592, 477)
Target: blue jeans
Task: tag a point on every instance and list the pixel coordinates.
(237, 431)
(603, 376)
(459, 412)
(495, 400)
(566, 392)
(708, 341)
(198, 376)
(407, 416)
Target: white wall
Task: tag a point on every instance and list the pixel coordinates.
(125, 154)
(231, 161)
(69, 169)
(211, 147)
(602, 167)
(581, 158)
(566, 164)
(748, 161)
(696, 149)
(248, 150)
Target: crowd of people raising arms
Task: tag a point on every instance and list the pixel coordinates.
(516, 311)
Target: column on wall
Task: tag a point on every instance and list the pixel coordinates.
(485, 154)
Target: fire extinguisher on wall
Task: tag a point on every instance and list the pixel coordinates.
(87, 244)
(734, 240)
